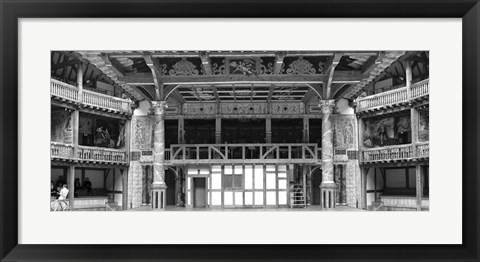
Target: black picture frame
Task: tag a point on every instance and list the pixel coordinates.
(11, 11)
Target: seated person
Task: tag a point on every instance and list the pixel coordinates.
(87, 184)
(63, 193)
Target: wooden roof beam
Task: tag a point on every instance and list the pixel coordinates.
(186, 54)
(329, 74)
(372, 63)
(147, 79)
(113, 64)
(156, 75)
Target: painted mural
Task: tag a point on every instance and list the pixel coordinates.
(387, 131)
(423, 126)
(142, 132)
(344, 133)
(61, 127)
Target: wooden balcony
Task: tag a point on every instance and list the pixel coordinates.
(102, 155)
(70, 94)
(242, 153)
(61, 151)
(396, 97)
(88, 154)
(396, 154)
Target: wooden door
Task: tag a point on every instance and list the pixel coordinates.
(199, 192)
(316, 181)
(170, 182)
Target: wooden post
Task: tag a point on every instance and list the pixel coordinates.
(80, 82)
(408, 78)
(361, 129)
(124, 189)
(128, 137)
(375, 183)
(181, 131)
(218, 129)
(71, 187)
(414, 126)
(306, 129)
(113, 185)
(419, 186)
(364, 174)
(268, 129)
(75, 124)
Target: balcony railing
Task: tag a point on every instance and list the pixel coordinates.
(396, 153)
(61, 151)
(89, 98)
(99, 154)
(198, 153)
(422, 150)
(63, 90)
(104, 101)
(396, 96)
(88, 154)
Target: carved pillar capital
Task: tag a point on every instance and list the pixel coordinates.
(327, 106)
(158, 107)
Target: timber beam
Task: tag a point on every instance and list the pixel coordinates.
(148, 79)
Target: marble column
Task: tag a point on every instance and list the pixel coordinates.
(328, 187)
(158, 186)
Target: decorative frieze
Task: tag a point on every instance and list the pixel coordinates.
(287, 108)
(199, 108)
(184, 68)
(300, 67)
(243, 108)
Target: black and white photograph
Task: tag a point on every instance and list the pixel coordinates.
(239, 130)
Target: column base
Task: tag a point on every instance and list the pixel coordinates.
(159, 196)
(328, 196)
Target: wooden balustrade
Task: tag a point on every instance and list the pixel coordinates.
(61, 150)
(396, 96)
(63, 90)
(100, 154)
(88, 154)
(90, 98)
(395, 153)
(243, 152)
(420, 89)
(423, 150)
(105, 101)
